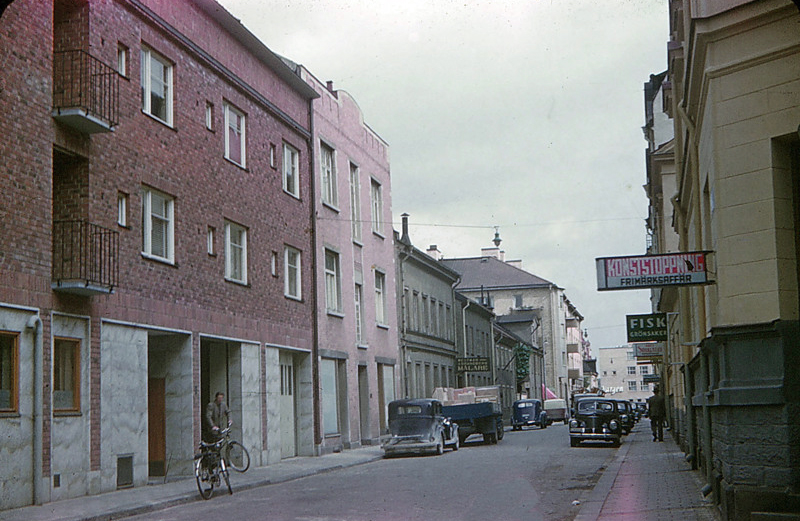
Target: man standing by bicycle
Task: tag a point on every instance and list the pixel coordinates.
(217, 417)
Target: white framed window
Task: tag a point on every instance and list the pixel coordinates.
(292, 286)
(235, 135)
(210, 239)
(355, 203)
(632, 385)
(333, 282)
(359, 312)
(158, 225)
(235, 253)
(66, 375)
(122, 60)
(376, 198)
(643, 369)
(274, 266)
(631, 369)
(328, 169)
(272, 155)
(291, 170)
(380, 297)
(209, 115)
(156, 86)
(122, 209)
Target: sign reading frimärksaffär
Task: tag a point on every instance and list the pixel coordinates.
(646, 328)
(648, 271)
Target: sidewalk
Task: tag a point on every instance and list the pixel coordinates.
(139, 500)
(647, 481)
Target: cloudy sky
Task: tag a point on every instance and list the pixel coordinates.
(521, 114)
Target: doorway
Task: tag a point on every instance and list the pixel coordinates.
(363, 404)
(288, 406)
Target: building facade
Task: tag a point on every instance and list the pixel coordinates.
(732, 93)
(621, 376)
(355, 279)
(144, 236)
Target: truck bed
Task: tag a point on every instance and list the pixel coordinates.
(469, 411)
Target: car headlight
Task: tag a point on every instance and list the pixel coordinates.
(624, 418)
(573, 424)
(613, 425)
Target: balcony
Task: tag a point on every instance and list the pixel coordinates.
(85, 92)
(85, 258)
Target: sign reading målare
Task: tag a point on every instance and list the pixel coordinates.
(477, 364)
(645, 328)
(648, 271)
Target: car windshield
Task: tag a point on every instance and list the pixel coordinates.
(524, 405)
(591, 406)
(409, 409)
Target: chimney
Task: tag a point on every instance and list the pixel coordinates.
(433, 251)
(497, 253)
(404, 238)
(330, 85)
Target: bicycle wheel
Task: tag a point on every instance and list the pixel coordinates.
(204, 482)
(237, 457)
(226, 475)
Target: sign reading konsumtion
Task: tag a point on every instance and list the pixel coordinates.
(648, 271)
(646, 328)
(475, 364)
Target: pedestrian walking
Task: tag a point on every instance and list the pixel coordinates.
(657, 411)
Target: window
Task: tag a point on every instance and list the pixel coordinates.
(210, 240)
(630, 355)
(158, 225)
(272, 153)
(156, 86)
(359, 312)
(448, 323)
(9, 372)
(643, 369)
(235, 253)
(234, 135)
(631, 369)
(274, 267)
(209, 115)
(66, 375)
(415, 311)
(122, 60)
(122, 209)
(291, 178)
(518, 301)
(328, 168)
(355, 203)
(330, 392)
(380, 297)
(287, 380)
(333, 282)
(377, 206)
(632, 385)
(292, 285)
(426, 317)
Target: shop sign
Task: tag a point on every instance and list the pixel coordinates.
(477, 364)
(649, 350)
(650, 271)
(646, 328)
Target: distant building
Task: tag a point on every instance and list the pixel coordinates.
(620, 376)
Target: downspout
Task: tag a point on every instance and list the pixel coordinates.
(464, 335)
(315, 395)
(405, 253)
(35, 323)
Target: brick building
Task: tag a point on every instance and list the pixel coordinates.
(146, 230)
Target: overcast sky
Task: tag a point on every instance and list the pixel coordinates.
(522, 114)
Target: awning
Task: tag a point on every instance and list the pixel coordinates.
(547, 393)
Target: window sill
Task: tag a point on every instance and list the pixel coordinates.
(238, 282)
(10, 414)
(292, 297)
(358, 242)
(66, 414)
(379, 235)
(330, 206)
(334, 313)
(287, 192)
(125, 226)
(159, 120)
(362, 346)
(382, 326)
(160, 260)
(234, 163)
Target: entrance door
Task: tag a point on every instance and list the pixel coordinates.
(156, 439)
(363, 402)
(287, 406)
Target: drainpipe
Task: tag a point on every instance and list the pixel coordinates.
(35, 323)
(464, 334)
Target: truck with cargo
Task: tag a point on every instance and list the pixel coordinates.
(476, 410)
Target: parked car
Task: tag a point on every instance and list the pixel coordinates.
(556, 410)
(528, 412)
(626, 417)
(418, 426)
(575, 397)
(595, 419)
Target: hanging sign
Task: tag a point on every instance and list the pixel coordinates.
(650, 271)
(646, 328)
(477, 364)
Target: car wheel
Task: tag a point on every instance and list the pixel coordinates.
(574, 442)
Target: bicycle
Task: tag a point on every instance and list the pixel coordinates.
(234, 453)
(210, 467)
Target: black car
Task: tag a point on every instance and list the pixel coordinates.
(528, 412)
(419, 426)
(595, 419)
(626, 417)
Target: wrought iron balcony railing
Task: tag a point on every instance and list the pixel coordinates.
(85, 92)
(85, 258)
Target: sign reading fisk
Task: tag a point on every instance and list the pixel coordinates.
(646, 328)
